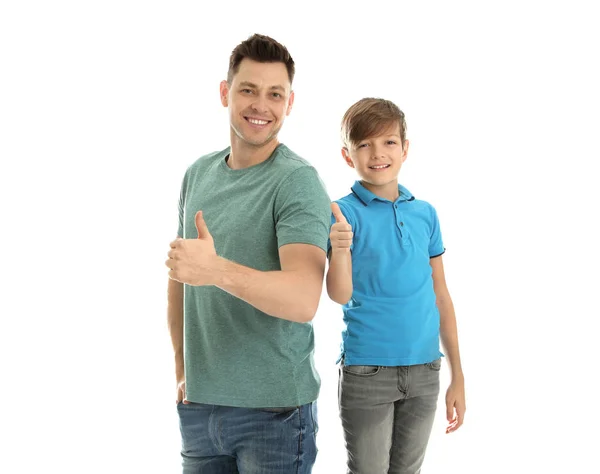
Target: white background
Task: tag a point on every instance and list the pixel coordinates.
(103, 105)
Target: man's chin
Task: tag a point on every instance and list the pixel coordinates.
(259, 143)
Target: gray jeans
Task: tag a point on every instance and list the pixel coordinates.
(387, 414)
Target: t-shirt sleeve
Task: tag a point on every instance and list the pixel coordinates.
(302, 209)
(436, 245)
(182, 206)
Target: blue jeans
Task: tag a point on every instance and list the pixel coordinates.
(387, 414)
(229, 440)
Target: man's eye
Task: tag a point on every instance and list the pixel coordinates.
(247, 91)
(277, 95)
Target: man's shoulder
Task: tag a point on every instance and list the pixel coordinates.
(208, 159)
(289, 161)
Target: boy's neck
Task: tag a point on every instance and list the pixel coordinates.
(243, 155)
(387, 191)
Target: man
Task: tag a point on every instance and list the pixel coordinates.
(250, 260)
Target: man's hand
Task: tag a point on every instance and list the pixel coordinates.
(341, 232)
(181, 392)
(192, 261)
(455, 405)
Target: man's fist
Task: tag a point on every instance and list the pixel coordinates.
(192, 261)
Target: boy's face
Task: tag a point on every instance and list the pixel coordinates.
(259, 98)
(378, 159)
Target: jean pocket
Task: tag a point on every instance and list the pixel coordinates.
(361, 370)
(435, 365)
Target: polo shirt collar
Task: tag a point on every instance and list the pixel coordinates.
(367, 196)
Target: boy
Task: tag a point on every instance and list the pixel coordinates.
(386, 270)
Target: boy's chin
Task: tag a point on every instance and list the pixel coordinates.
(383, 181)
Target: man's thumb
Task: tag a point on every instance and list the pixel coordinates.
(337, 213)
(201, 226)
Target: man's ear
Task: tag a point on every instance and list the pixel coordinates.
(224, 92)
(290, 103)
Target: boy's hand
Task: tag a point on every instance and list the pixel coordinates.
(341, 232)
(455, 405)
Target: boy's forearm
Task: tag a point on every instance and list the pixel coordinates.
(290, 295)
(339, 276)
(175, 323)
(449, 337)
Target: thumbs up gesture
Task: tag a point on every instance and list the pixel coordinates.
(193, 261)
(341, 232)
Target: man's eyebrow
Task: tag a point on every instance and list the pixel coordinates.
(254, 86)
(248, 84)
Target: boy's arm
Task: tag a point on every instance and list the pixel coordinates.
(339, 273)
(455, 397)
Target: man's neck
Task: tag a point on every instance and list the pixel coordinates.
(243, 155)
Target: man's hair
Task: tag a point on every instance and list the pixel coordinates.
(371, 117)
(262, 49)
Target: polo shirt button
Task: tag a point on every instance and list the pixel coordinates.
(402, 224)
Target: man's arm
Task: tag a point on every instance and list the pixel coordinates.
(175, 323)
(292, 293)
(455, 397)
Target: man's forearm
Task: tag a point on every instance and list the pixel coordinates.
(449, 337)
(175, 323)
(291, 295)
(339, 276)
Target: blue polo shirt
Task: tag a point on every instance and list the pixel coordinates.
(392, 318)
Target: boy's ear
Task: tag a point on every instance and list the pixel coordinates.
(347, 158)
(405, 150)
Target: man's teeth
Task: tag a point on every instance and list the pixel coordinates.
(258, 122)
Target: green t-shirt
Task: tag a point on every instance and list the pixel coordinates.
(236, 355)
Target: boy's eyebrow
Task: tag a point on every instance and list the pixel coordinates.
(254, 86)
(385, 135)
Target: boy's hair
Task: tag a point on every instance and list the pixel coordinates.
(262, 49)
(371, 117)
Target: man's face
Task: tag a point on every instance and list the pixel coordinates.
(259, 98)
(378, 159)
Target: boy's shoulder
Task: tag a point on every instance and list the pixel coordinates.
(352, 204)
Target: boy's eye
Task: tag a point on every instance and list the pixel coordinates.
(391, 142)
(362, 145)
